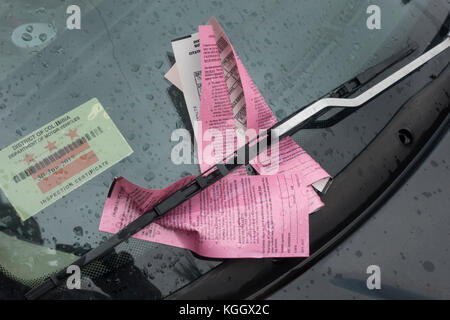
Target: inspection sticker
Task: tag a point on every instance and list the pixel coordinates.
(59, 157)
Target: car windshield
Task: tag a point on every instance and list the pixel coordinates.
(295, 52)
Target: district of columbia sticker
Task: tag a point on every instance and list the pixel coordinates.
(59, 157)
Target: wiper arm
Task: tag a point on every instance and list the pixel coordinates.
(282, 129)
(296, 121)
(354, 85)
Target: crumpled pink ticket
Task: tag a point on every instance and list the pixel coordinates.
(225, 76)
(239, 216)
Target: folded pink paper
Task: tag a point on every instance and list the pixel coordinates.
(218, 53)
(224, 76)
(239, 216)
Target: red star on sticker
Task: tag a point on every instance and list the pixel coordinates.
(72, 134)
(29, 158)
(50, 146)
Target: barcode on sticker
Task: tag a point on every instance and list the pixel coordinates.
(48, 161)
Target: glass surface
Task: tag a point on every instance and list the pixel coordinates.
(295, 51)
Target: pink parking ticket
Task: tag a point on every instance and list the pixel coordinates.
(229, 97)
(237, 217)
(230, 100)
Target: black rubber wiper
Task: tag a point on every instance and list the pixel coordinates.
(284, 128)
(354, 85)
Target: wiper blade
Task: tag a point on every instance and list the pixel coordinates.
(296, 121)
(354, 85)
(282, 129)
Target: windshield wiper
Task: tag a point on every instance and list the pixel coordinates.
(358, 83)
(284, 128)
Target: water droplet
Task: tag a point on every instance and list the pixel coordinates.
(280, 113)
(179, 124)
(149, 176)
(29, 28)
(185, 174)
(135, 67)
(43, 37)
(40, 10)
(27, 37)
(428, 266)
(78, 231)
